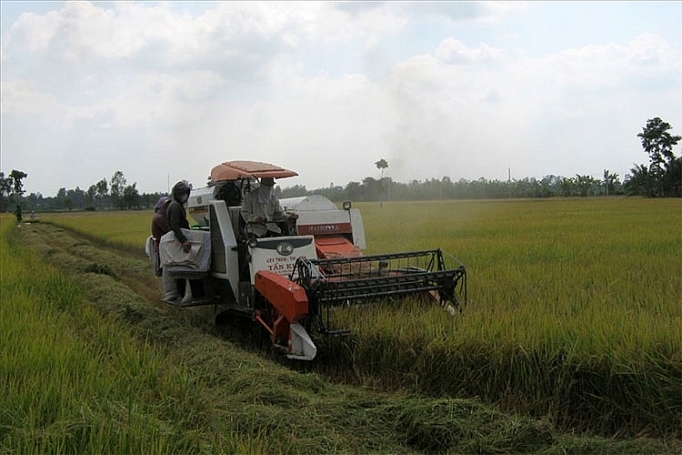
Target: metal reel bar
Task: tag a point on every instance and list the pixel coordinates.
(344, 281)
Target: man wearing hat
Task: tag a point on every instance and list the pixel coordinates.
(261, 210)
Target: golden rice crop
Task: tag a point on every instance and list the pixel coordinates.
(117, 227)
(574, 306)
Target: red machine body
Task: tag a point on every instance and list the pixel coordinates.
(289, 305)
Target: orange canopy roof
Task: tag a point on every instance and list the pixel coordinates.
(235, 170)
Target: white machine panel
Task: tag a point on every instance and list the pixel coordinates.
(279, 254)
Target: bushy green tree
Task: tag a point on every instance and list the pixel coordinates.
(91, 194)
(663, 176)
(102, 190)
(18, 189)
(117, 185)
(5, 189)
(131, 197)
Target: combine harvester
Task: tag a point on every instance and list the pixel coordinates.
(294, 283)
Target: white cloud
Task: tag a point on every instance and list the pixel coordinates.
(20, 97)
(36, 31)
(453, 51)
(444, 121)
(324, 88)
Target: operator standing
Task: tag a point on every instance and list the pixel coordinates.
(262, 209)
(177, 216)
(159, 228)
(177, 220)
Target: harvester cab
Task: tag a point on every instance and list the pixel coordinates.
(293, 283)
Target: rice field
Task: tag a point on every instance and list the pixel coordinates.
(574, 307)
(88, 365)
(604, 274)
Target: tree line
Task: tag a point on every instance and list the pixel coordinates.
(114, 193)
(370, 189)
(662, 177)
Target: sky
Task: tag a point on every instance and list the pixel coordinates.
(165, 91)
